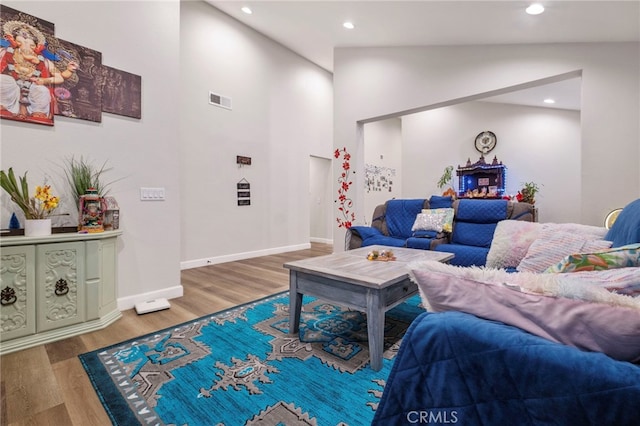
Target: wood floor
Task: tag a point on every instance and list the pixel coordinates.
(46, 385)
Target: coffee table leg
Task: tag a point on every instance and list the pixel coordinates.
(295, 303)
(375, 326)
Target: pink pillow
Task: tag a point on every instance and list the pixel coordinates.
(552, 246)
(587, 325)
(510, 243)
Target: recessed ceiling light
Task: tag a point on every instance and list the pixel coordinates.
(247, 10)
(535, 9)
(549, 101)
(348, 25)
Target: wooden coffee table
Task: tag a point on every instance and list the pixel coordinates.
(350, 280)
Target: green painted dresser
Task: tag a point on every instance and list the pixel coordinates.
(56, 286)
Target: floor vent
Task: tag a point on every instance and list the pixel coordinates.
(219, 100)
(152, 306)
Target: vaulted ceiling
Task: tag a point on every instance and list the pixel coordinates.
(314, 28)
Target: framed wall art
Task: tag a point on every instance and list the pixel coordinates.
(42, 76)
(28, 70)
(121, 93)
(79, 96)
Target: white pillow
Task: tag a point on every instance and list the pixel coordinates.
(434, 220)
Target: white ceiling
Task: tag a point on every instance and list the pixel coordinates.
(566, 95)
(314, 28)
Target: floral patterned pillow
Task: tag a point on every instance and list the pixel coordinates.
(618, 257)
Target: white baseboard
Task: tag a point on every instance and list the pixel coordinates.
(321, 240)
(188, 264)
(129, 302)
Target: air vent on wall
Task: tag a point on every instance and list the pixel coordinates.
(219, 100)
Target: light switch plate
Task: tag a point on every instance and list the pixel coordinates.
(152, 194)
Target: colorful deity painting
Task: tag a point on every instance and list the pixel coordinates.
(28, 70)
(42, 76)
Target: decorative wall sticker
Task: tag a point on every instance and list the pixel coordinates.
(379, 178)
(346, 216)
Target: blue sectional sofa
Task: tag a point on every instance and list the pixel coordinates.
(392, 222)
(474, 223)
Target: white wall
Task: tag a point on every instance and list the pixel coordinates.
(383, 148)
(141, 38)
(416, 77)
(282, 106)
(536, 144)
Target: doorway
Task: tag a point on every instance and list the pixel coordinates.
(320, 186)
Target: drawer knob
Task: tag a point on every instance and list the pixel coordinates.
(8, 296)
(62, 287)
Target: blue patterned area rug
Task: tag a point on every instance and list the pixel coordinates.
(241, 367)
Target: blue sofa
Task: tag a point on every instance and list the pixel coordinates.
(454, 367)
(474, 223)
(392, 222)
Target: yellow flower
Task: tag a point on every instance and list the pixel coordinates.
(51, 203)
(45, 202)
(40, 206)
(43, 193)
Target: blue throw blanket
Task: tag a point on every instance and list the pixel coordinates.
(453, 367)
(400, 215)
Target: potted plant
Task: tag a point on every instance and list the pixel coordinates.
(445, 179)
(82, 175)
(528, 192)
(37, 208)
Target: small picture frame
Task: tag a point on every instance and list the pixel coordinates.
(243, 161)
